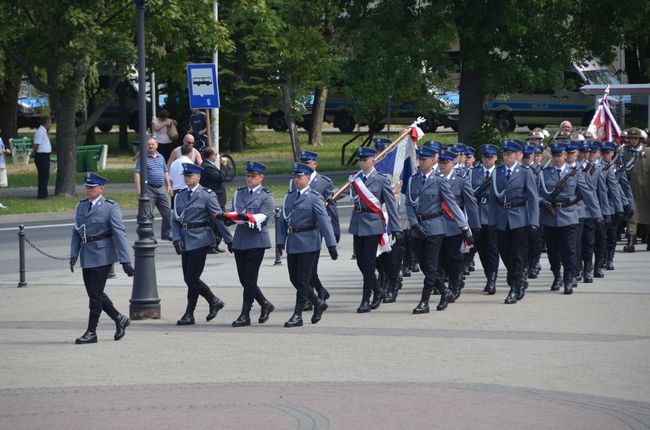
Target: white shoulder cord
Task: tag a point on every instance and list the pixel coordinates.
(494, 185)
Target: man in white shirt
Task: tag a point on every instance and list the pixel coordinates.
(176, 170)
(42, 151)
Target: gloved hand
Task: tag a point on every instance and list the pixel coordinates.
(242, 217)
(252, 225)
(337, 237)
(179, 247)
(397, 235)
(229, 246)
(548, 206)
(279, 249)
(73, 261)
(128, 269)
(467, 236)
(607, 219)
(333, 252)
(629, 212)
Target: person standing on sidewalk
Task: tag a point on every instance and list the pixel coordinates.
(158, 185)
(42, 152)
(3, 169)
(300, 226)
(99, 238)
(192, 236)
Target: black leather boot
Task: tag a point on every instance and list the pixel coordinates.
(579, 271)
(557, 281)
(568, 289)
(631, 241)
(521, 289)
(491, 285)
(323, 294)
(446, 297)
(319, 308)
(377, 297)
(215, 306)
(267, 308)
(87, 337)
(587, 278)
(598, 269)
(609, 265)
(511, 299)
(294, 321)
(363, 307)
(391, 291)
(121, 324)
(186, 319)
(308, 307)
(423, 306)
(244, 318)
(416, 267)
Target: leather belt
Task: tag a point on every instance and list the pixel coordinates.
(509, 205)
(154, 185)
(426, 217)
(300, 229)
(560, 205)
(359, 208)
(484, 200)
(88, 239)
(190, 225)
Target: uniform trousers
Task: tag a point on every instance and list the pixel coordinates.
(193, 263)
(42, 161)
(428, 252)
(248, 268)
(612, 234)
(488, 251)
(365, 249)
(561, 249)
(600, 247)
(579, 229)
(513, 249)
(588, 240)
(534, 246)
(315, 280)
(450, 258)
(95, 281)
(407, 249)
(159, 198)
(300, 270)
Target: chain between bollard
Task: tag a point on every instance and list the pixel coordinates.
(40, 251)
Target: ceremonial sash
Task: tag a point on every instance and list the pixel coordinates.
(374, 205)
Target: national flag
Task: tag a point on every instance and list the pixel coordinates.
(603, 125)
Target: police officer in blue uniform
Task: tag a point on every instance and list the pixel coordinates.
(561, 187)
(195, 207)
(532, 260)
(367, 226)
(302, 224)
(486, 238)
(99, 238)
(252, 239)
(451, 258)
(323, 185)
(427, 192)
(517, 210)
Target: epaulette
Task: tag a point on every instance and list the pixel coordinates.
(267, 191)
(381, 174)
(415, 174)
(440, 175)
(242, 188)
(326, 178)
(208, 190)
(111, 201)
(525, 166)
(83, 200)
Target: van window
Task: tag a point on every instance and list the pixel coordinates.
(601, 76)
(572, 81)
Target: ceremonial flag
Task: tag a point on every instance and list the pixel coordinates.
(603, 125)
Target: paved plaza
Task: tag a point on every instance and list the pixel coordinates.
(551, 361)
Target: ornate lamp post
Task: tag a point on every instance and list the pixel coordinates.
(145, 302)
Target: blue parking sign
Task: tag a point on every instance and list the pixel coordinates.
(202, 86)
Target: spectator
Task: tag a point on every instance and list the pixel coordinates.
(198, 123)
(195, 155)
(158, 185)
(3, 169)
(176, 170)
(42, 152)
(213, 176)
(161, 124)
(566, 126)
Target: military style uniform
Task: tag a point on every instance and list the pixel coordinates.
(194, 210)
(607, 235)
(302, 222)
(517, 209)
(99, 239)
(560, 190)
(250, 242)
(424, 207)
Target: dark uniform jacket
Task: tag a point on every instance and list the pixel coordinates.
(261, 202)
(306, 213)
(367, 223)
(516, 198)
(323, 185)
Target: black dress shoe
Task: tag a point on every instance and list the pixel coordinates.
(556, 284)
(587, 278)
(187, 319)
(215, 307)
(512, 297)
(323, 294)
(376, 300)
(421, 308)
(308, 307)
(445, 297)
(242, 320)
(567, 289)
(120, 326)
(521, 291)
(320, 307)
(294, 321)
(363, 307)
(87, 337)
(267, 308)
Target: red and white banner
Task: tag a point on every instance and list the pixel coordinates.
(603, 125)
(374, 205)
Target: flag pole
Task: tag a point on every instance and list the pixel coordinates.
(378, 157)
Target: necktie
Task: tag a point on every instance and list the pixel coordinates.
(189, 196)
(487, 174)
(250, 192)
(90, 206)
(424, 179)
(558, 171)
(508, 172)
(363, 178)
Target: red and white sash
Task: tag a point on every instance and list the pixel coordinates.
(369, 199)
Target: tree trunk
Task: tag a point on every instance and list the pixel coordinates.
(471, 99)
(124, 117)
(9, 89)
(287, 107)
(66, 153)
(317, 116)
(238, 133)
(91, 139)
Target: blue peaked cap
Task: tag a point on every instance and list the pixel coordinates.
(489, 150)
(557, 148)
(447, 155)
(302, 169)
(364, 152)
(608, 147)
(469, 151)
(513, 146)
(92, 179)
(307, 156)
(381, 143)
(425, 152)
(432, 144)
(191, 169)
(255, 167)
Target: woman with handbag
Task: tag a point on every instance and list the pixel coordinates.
(165, 131)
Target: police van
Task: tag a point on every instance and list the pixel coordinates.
(552, 106)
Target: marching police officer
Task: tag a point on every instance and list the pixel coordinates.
(252, 239)
(517, 209)
(323, 185)
(486, 240)
(194, 209)
(427, 193)
(559, 188)
(369, 191)
(100, 239)
(302, 222)
(534, 251)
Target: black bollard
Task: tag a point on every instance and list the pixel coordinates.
(278, 255)
(21, 255)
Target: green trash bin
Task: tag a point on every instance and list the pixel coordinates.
(88, 157)
(81, 158)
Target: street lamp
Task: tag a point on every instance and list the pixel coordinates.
(145, 302)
